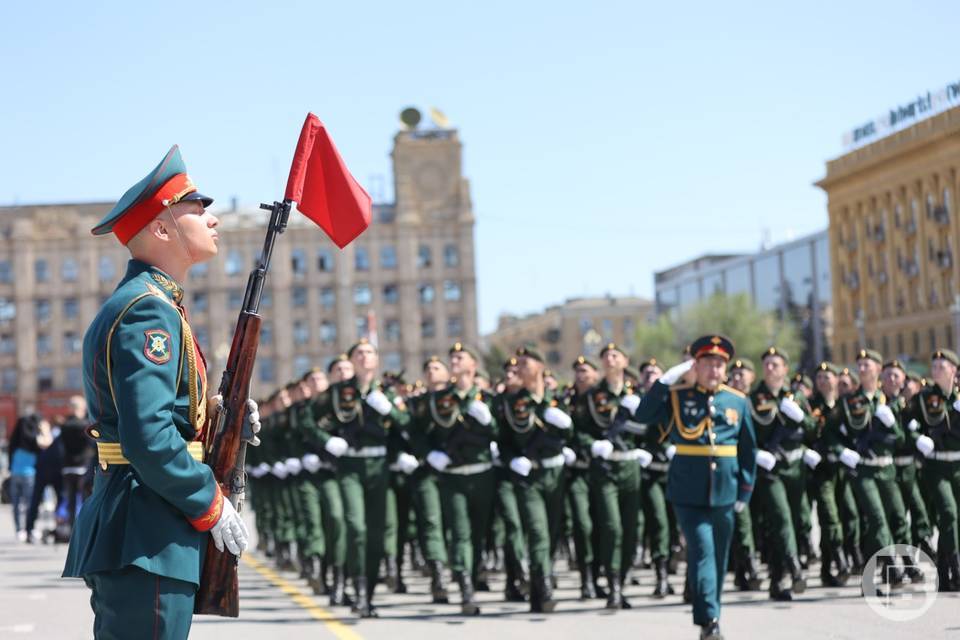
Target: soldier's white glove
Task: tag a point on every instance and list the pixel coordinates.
(601, 449)
(379, 402)
(569, 457)
(956, 405)
(913, 425)
(670, 451)
(843, 428)
(885, 415)
(336, 446)
(439, 460)
(480, 412)
(925, 445)
(251, 423)
(279, 469)
(521, 466)
(557, 418)
(739, 506)
(630, 402)
(790, 408)
(850, 458)
(260, 470)
(311, 462)
(766, 459)
(294, 466)
(644, 456)
(230, 531)
(812, 458)
(407, 463)
(494, 450)
(676, 372)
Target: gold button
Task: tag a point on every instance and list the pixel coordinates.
(94, 433)
(713, 466)
(103, 465)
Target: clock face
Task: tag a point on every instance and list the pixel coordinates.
(431, 180)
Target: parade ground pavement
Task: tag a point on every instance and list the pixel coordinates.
(36, 603)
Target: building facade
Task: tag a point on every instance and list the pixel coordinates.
(892, 207)
(791, 280)
(409, 280)
(578, 326)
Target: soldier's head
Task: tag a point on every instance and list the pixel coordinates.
(912, 386)
(613, 358)
(650, 372)
(530, 365)
(774, 367)
(943, 368)
(869, 363)
(435, 372)
(892, 378)
(316, 381)
(712, 353)
(827, 379)
(742, 374)
(511, 375)
(464, 360)
(550, 380)
(283, 398)
(847, 381)
(78, 407)
(364, 357)
(482, 380)
(584, 373)
(340, 369)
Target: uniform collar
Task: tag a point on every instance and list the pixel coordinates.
(157, 277)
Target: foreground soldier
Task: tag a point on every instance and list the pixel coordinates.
(712, 472)
(140, 538)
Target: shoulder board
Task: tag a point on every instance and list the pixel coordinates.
(736, 392)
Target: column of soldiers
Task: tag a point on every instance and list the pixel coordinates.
(472, 477)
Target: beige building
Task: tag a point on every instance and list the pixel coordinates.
(411, 273)
(578, 326)
(893, 228)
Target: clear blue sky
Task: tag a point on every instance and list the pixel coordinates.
(603, 140)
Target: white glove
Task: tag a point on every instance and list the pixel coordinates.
(439, 460)
(279, 469)
(230, 531)
(644, 456)
(480, 412)
(521, 466)
(676, 372)
(379, 402)
(251, 426)
(260, 470)
(790, 408)
(956, 405)
(812, 458)
(569, 457)
(739, 506)
(850, 458)
(925, 445)
(557, 418)
(494, 450)
(294, 466)
(766, 459)
(408, 463)
(885, 415)
(311, 462)
(630, 402)
(913, 425)
(670, 451)
(843, 429)
(336, 446)
(601, 449)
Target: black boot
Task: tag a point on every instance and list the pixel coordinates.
(662, 589)
(542, 584)
(511, 588)
(337, 596)
(778, 590)
(855, 556)
(390, 579)
(753, 572)
(438, 588)
(687, 590)
(624, 603)
(673, 565)
(911, 570)
(797, 575)
(401, 585)
(285, 557)
(890, 573)
(304, 563)
(615, 593)
(467, 605)
(597, 586)
(587, 592)
(711, 630)
(361, 603)
(843, 567)
(315, 577)
(953, 566)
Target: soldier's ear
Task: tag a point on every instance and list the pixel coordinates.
(158, 229)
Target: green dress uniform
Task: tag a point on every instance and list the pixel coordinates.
(311, 542)
(526, 432)
(140, 537)
(908, 480)
(578, 500)
(287, 517)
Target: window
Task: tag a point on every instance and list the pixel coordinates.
(298, 263)
(267, 371)
(426, 293)
(328, 332)
(363, 327)
(201, 301)
(606, 328)
(393, 330)
(299, 296)
(301, 364)
(8, 309)
(201, 336)
(451, 290)
(72, 343)
(69, 270)
(361, 259)
(423, 257)
(454, 327)
(43, 344)
(41, 310)
(361, 294)
(74, 378)
(266, 332)
(105, 269)
(328, 299)
(428, 328)
(234, 262)
(301, 332)
(388, 257)
(8, 345)
(44, 379)
(553, 357)
(324, 260)
(41, 270)
(392, 361)
(199, 270)
(391, 295)
(451, 255)
(9, 379)
(234, 299)
(71, 308)
(6, 271)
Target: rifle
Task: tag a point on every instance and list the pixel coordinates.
(224, 450)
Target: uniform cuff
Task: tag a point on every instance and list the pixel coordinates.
(212, 514)
(744, 494)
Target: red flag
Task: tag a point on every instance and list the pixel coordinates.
(323, 188)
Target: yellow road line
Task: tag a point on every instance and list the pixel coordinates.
(337, 628)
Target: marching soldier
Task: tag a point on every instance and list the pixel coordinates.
(712, 470)
(311, 544)
(139, 539)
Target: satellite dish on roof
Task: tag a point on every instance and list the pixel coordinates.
(439, 119)
(410, 117)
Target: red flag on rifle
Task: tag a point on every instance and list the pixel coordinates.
(323, 188)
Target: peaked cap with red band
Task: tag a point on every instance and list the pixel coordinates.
(712, 346)
(167, 184)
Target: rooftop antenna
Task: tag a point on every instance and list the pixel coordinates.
(439, 119)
